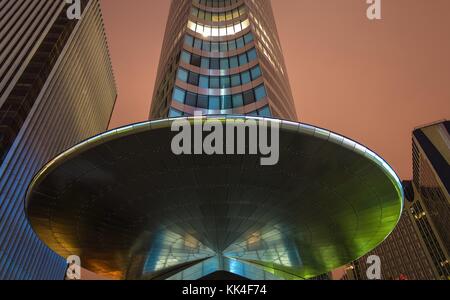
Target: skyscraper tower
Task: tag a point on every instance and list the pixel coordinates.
(227, 60)
(146, 211)
(431, 182)
(420, 245)
(56, 89)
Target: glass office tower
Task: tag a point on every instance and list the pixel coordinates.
(56, 89)
(419, 247)
(431, 180)
(144, 212)
(222, 57)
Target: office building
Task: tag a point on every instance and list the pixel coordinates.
(56, 90)
(419, 247)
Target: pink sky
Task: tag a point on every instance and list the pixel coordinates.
(370, 81)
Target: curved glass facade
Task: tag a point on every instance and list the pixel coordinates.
(218, 31)
(219, 68)
(216, 16)
(224, 63)
(223, 102)
(208, 46)
(219, 82)
(222, 57)
(216, 3)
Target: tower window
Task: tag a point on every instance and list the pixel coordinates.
(202, 101)
(260, 92)
(193, 78)
(191, 99)
(249, 97)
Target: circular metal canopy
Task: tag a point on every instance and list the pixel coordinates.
(130, 208)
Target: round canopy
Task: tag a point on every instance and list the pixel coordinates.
(131, 208)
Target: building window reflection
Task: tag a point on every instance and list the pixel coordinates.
(219, 82)
(222, 102)
(218, 46)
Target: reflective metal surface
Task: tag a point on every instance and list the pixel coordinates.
(131, 209)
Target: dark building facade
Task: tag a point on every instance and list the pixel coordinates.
(419, 247)
(402, 254)
(56, 89)
(227, 60)
(431, 180)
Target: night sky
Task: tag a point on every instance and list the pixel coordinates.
(372, 81)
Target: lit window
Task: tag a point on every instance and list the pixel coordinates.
(218, 31)
(245, 24)
(191, 25)
(230, 30)
(207, 31)
(237, 27)
(200, 28)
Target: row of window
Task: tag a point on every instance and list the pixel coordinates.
(263, 112)
(216, 31)
(219, 102)
(216, 3)
(219, 82)
(216, 46)
(219, 63)
(218, 17)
